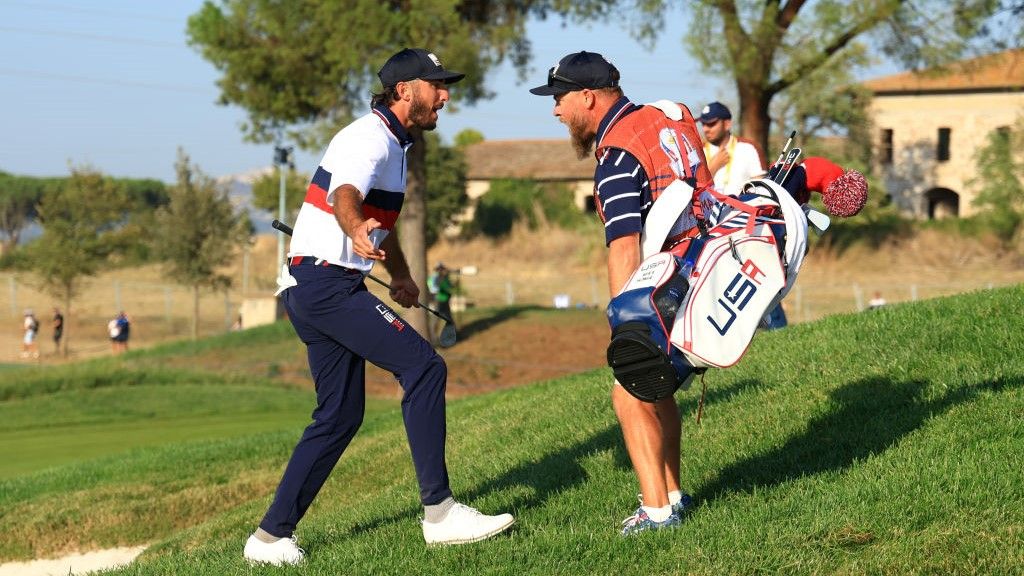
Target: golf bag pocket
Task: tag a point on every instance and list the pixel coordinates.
(641, 315)
(736, 280)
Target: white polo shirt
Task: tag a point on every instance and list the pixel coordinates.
(368, 154)
(745, 162)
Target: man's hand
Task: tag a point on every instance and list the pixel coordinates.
(405, 292)
(719, 160)
(361, 242)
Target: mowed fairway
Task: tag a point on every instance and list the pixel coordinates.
(87, 424)
(888, 442)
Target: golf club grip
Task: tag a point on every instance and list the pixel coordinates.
(281, 226)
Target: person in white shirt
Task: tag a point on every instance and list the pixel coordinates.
(733, 160)
(345, 226)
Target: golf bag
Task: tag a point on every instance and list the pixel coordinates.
(698, 305)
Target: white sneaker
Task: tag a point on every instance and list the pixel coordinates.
(284, 551)
(463, 525)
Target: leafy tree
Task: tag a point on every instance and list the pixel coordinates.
(1000, 181)
(467, 137)
(81, 224)
(266, 192)
(144, 193)
(18, 198)
(446, 186)
(768, 47)
(828, 102)
(310, 65)
(144, 196)
(198, 232)
(535, 204)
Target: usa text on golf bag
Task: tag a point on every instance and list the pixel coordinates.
(698, 305)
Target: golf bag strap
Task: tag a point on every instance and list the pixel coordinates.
(752, 211)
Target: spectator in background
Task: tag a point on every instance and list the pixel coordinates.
(432, 282)
(876, 302)
(114, 331)
(444, 291)
(732, 160)
(29, 348)
(120, 329)
(58, 328)
(124, 327)
(775, 318)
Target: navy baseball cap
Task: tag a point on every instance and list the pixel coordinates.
(714, 111)
(578, 71)
(415, 63)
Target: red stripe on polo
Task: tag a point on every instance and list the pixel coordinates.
(387, 218)
(317, 196)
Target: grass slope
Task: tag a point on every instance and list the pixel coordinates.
(887, 442)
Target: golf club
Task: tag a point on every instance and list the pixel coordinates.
(447, 337)
(786, 147)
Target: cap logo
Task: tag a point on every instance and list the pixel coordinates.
(434, 59)
(706, 110)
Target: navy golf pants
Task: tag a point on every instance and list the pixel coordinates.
(343, 325)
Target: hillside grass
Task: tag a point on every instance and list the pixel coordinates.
(888, 442)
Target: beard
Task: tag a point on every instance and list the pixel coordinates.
(582, 140)
(420, 112)
(722, 138)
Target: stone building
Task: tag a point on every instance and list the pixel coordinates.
(931, 124)
(537, 160)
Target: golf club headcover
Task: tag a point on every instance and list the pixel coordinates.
(844, 192)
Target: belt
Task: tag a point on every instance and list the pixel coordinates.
(313, 261)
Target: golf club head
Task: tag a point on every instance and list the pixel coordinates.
(447, 337)
(819, 221)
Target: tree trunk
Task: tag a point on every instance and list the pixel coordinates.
(67, 318)
(195, 312)
(412, 235)
(756, 122)
(8, 244)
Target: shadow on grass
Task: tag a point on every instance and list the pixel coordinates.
(554, 472)
(869, 417)
(498, 316)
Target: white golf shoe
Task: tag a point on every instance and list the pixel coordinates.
(284, 551)
(463, 525)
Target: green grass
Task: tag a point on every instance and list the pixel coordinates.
(888, 442)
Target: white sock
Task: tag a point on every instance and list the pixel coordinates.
(675, 496)
(435, 513)
(265, 537)
(658, 514)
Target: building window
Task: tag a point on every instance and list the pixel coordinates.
(886, 150)
(942, 151)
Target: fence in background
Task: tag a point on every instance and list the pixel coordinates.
(163, 312)
(806, 302)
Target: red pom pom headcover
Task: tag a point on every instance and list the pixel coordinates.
(844, 193)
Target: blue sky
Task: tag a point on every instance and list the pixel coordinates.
(112, 84)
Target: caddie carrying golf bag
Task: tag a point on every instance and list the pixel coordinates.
(698, 304)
